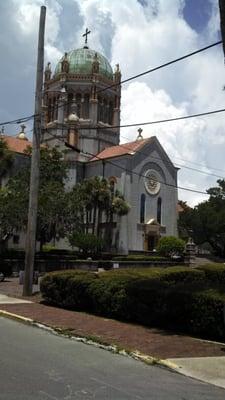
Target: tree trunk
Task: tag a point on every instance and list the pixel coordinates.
(94, 220)
(99, 222)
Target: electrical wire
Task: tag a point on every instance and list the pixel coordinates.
(18, 120)
(25, 119)
(133, 172)
(126, 146)
(154, 69)
(161, 121)
(203, 114)
(162, 66)
(123, 168)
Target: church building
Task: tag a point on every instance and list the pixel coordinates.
(82, 100)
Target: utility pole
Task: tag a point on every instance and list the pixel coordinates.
(222, 21)
(35, 164)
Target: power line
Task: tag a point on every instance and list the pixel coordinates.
(25, 119)
(120, 167)
(126, 146)
(132, 172)
(162, 66)
(134, 124)
(162, 120)
(155, 68)
(18, 121)
(201, 165)
(144, 123)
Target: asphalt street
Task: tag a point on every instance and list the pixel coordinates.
(38, 365)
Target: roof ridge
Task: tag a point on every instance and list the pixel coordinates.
(122, 149)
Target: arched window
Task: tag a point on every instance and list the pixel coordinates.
(110, 121)
(159, 210)
(55, 108)
(85, 113)
(50, 110)
(69, 103)
(100, 109)
(105, 111)
(142, 209)
(78, 104)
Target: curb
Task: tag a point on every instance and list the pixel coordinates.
(136, 355)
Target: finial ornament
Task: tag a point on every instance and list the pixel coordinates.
(117, 68)
(95, 64)
(65, 64)
(48, 71)
(117, 74)
(140, 137)
(86, 35)
(22, 134)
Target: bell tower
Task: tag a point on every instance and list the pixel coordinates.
(82, 101)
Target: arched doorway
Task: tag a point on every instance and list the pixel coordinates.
(152, 235)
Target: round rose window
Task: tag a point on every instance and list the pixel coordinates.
(151, 182)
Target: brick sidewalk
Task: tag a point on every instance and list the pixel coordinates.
(153, 342)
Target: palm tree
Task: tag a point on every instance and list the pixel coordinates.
(90, 201)
(6, 158)
(119, 207)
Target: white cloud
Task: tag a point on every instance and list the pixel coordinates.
(139, 38)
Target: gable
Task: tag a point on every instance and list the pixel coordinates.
(130, 148)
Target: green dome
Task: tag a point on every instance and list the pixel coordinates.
(80, 62)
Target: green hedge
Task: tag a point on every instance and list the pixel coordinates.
(177, 298)
(214, 272)
(140, 257)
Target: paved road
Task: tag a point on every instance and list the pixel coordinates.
(37, 365)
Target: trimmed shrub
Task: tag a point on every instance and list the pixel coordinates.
(215, 273)
(177, 297)
(174, 275)
(5, 267)
(86, 242)
(139, 257)
(170, 245)
(67, 288)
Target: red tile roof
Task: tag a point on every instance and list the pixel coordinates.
(121, 150)
(17, 145)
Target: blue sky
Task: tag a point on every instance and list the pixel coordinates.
(197, 13)
(138, 35)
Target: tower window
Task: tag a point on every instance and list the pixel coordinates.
(85, 113)
(49, 110)
(142, 209)
(110, 115)
(105, 111)
(159, 210)
(78, 104)
(70, 100)
(100, 109)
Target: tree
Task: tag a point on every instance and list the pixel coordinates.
(90, 204)
(94, 203)
(206, 221)
(52, 199)
(87, 242)
(170, 245)
(6, 158)
(185, 221)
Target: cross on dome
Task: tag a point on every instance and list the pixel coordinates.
(86, 35)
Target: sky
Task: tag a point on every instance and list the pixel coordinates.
(139, 35)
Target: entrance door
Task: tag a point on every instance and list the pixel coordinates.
(151, 242)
